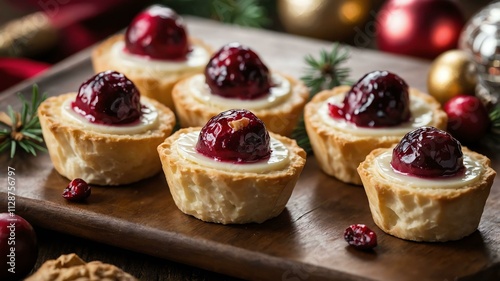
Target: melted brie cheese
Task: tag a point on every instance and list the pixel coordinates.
(472, 173)
(421, 116)
(196, 59)
(277, 94)
(147, 121)
(186, 144)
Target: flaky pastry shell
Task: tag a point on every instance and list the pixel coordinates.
(215, 195)
(280, 119)
(338, 152)
(99, 158)
(425, 214)
(153, 83)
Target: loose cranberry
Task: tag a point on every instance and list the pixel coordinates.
(236, 71)
(428, 152)
(159, 33)
(378, 99)
(468, 119)
(18, 247)
(360, 236)
(236, 135)
(77, 190)
(108, 98)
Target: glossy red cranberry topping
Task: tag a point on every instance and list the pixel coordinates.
(77, 190)
(378, 99)
(360, 236)
(159, 33)
(236, 135)
(428, 152)
(108, 98)
(236, 71)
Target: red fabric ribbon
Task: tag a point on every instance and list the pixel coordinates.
(80, 23)
(15, 70)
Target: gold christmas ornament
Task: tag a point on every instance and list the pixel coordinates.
(27, 36)
(334, 20)
(451, 74)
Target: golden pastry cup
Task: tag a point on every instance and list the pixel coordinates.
(425, 214)
(100, 158)
(281, 119)
(338, 152)
(215, 195)
(153, 83)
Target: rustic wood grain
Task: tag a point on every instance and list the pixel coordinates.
(144, 267)
(304, 243)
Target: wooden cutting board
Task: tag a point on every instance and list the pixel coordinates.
(304, 243)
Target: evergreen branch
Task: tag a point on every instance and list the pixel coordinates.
(322, 73)
(26, 148)
(4, 145)
(495, 117)
(32, 136)
(12, 148)
(12, 116)
(325, 71)
(34, 131)
(24, 113)
(22, 129)
(33, 122)
(240, 12)
(34, 146)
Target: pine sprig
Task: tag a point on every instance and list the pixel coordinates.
(494, 132)
(325, 72)
(495, 118)
(240, 12)
(22, 129)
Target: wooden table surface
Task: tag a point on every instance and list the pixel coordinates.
(284, 53)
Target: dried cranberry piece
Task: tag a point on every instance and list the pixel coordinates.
(236, 71)
(428, 152)
(108, 97)
(360, 236)
(159, 33)
(378, 99)
(236, 135)
(77, 190)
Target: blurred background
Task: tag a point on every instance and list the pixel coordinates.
(35, 34)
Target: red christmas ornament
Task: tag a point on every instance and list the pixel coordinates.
(422, 28)
(468, 119)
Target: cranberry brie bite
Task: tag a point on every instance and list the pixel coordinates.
(106, 133)
(345, 123)
(155, 53)
(236, 77)
(232, 170)
(428, 187)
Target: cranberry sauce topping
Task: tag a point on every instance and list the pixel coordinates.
(428, 152)
(378, 99)
(236, 135)
(108, 98)
(159, 33)
(236, 71)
